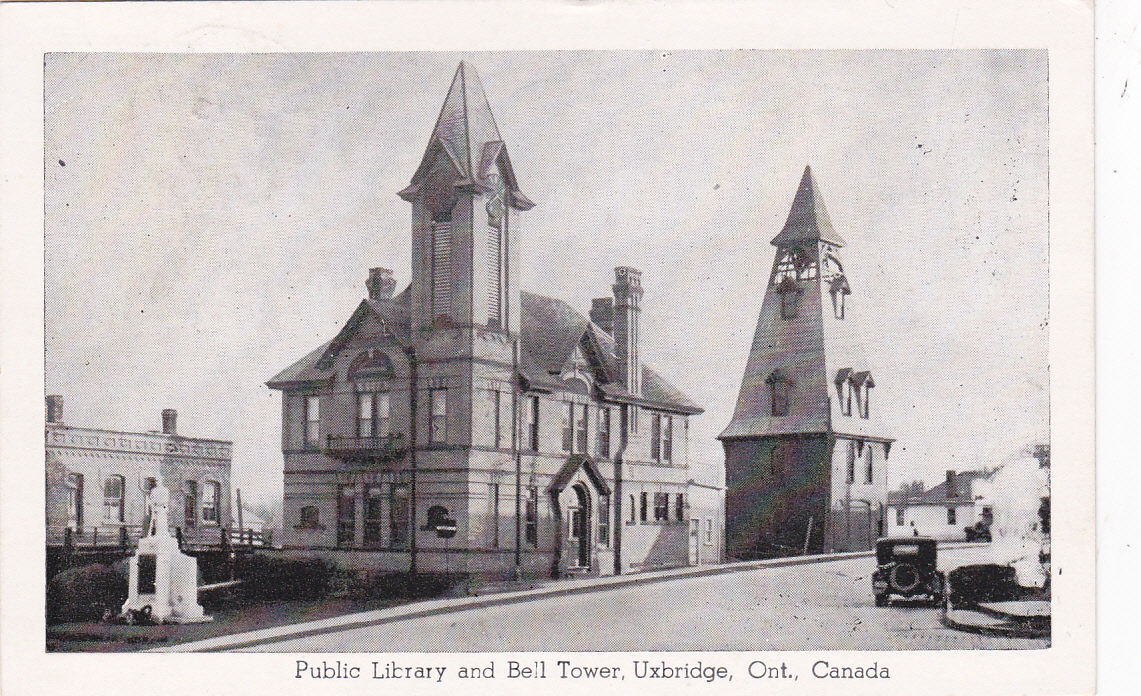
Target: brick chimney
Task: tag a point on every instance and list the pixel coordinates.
(602, 313)
(951, 491)
(169, 421)
(381, 284)
(55, 408)
(627, 314)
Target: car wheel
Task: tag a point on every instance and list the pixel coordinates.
(881, 600)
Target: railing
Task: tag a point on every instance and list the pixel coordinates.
(381, 448)
(125, 536)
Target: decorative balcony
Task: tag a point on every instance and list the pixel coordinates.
(375, 449)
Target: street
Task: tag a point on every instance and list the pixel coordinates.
(819, 606)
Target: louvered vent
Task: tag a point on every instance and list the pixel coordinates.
(441, 268)
(494, 276)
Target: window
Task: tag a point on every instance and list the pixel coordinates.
(604, 520)
(708, 531)
(838, 303)
(75, 500)
(867, 410)
(532, 516)
(399, 513)
(602, 435)
(851, 477)
(113, 489)
(496, 399)
(656, 437)
(661, 507)
(667, 438)
(309, 518)
(951, 515)
(373, 515)
(580, 429)
(679, 507)
(493, 493)
(312, 421)
(494, 273)
(899, 517)
(780, 390)
(643, 509)
(346, 515)
(869, 470)
(190, 503)
(441, 269)
(364, 415)
(210, 496)
(533, 425)
(847, 403)
(633, 510)
(383, 423)
(568, 432)
(438, 428)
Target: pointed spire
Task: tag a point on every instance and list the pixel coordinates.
(807, 219)
(467, 131)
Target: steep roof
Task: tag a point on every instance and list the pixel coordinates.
(807, 219)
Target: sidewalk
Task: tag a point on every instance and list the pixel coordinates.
(552, 588)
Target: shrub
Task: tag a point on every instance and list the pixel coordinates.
(274, 577)
(985, 582)
(84, 593)
(408, 586)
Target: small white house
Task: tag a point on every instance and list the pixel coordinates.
(942, 512)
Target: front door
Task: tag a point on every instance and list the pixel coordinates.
(579, 535)
(694, 547)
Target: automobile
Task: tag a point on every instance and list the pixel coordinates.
(979, 531)
(906, 567)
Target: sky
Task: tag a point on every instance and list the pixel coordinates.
(209, 219)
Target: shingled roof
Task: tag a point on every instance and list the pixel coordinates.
(552, 329)
(807, 219)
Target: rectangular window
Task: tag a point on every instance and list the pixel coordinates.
(383, 423)
(441, 269)
(604, 520)
(661, 507)
(364, 415)
(568, 432)
(190, 504)
(656, 437)
(75, 501)
(533, 425)
(114, 488)
(950, 515)
(312, 421)
(438, 428)
(679, 507)
(496, 399)
(603, 432)
(373, 515)
(211, 498)
(633, 511)
(346, 516)
(581, 429)
(644, 507)
(851, 477)
(532, 516)
(869, 469)
(899, 517)
(667, 438)
(708, 531)
(399, 513)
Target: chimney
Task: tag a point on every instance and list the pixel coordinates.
(627, 312)
(169, 421)
(602, 313)
(380, 284)
(951, 492)
(55, 408)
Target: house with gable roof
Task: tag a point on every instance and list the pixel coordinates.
(464, 424)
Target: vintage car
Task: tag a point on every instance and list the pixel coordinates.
(907, 569)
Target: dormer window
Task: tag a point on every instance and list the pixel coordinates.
(780, 387)
(789, 298)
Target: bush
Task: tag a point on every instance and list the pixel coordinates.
(407, 586)
(273, 577)
(83, 594)
(985, 582)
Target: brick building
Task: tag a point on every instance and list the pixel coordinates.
(805, 452)
(537, 433)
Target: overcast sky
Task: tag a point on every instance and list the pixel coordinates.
(211, 218)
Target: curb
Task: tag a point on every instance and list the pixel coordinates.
(559, 588)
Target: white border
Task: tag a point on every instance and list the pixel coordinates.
(29, 30)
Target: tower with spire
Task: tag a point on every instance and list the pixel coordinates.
(806, 452)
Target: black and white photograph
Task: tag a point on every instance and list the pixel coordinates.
(637, 367)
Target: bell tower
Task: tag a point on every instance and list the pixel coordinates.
(465, 223)
(805, 452)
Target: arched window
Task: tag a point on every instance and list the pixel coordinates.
(371, 364)
(211, 493)
(114, 489)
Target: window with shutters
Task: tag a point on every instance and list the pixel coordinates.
(441, 269)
